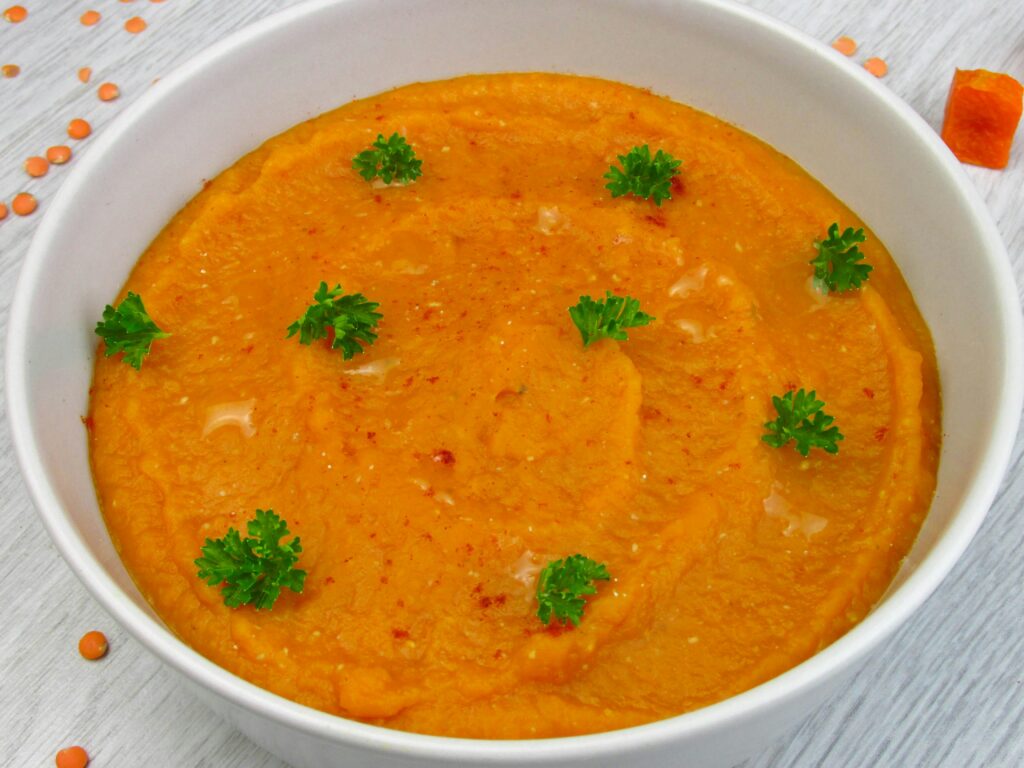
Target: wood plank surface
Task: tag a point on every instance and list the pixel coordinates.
(945, 691)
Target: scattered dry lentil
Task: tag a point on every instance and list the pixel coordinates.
(845, 45)
(72, 757)
(10, 70)
(108, 92)
(93, 645)
(37, 166)
(84, 74)
(79, 128)
(59, 154)
(135, 24)
(89, 18)
(24, 204)
(876, 66)
(16, 14)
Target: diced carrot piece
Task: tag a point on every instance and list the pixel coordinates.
(982, 113)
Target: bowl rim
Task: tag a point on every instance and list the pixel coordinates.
(884, 619)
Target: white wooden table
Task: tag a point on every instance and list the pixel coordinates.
(945, 691)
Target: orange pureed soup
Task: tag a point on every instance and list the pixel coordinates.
(433, 476)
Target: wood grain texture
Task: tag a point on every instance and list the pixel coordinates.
(945, 691)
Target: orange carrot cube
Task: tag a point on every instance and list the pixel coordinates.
(982, 113)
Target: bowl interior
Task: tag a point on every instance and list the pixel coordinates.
(871, 150)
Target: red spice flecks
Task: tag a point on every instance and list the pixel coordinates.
(370, 435)
(487, 602)
(433, 379)
(400, 634)
(444, 456)
(869, 393)
(647, 413)
(89, 422)
(657, 219)
(556, 628)
(880, 433)
(329, 580)
(678, 188)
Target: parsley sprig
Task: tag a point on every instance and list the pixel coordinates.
(128, 328)
(390, 159)
(837, 266)
(253, 570)
(642, 175)
(562, 586)
(795, 422)
(351, 317)
(607, 317)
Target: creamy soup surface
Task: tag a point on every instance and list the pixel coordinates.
(433, 476)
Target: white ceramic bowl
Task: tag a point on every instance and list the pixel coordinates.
(867, 146)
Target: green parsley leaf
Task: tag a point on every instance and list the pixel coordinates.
(642, 175)
(128, 328)
(607, 317)
(390, 159)
(350, 315)
(253, 570)
(795, 423)
(562, 585)
(837, 267)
